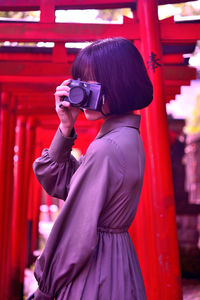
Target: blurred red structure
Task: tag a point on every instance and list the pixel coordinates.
(28, 78)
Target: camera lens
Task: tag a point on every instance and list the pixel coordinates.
(76, 95)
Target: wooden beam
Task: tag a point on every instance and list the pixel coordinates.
(35, 111)
(35, 68)
(178, 48)
(31, 56)
(179, 73)
(173, 54)
(66, 32)
(162, 2)
(42, 58)
(44, 72)
(179, 32)
(35, 50)
(25, 57)
(24, 5)
(17, 86)
(39, 80)
(171, 59)
(170, 83)
(172, 90)
(35, 32)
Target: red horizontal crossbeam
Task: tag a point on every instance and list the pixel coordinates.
(47, 57)
(63, 4)
(32, 80)
(66, 32)
(35, 68)
(169, 58)
(24, 5)
(161, 2)
(180, 32)
(172, 90)
(171, 83)
(37, 57)
(35, 32)
(35, 111)
(36, 83)
(45, 72)
(179, 73)
(17, 86)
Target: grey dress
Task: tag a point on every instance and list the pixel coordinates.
(89, 254)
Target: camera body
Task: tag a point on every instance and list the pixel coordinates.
(85, 95)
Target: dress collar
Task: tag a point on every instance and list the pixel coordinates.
(128, 120)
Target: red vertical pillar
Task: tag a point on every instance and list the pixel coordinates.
(146, 216)
(142, 233)
(59, 53)
(8, 202)
(145, 246)
(4, 146)
(29, 157)
(160, 201)
(47, 11)
(35, 194)
(25, 143)
(19, 213)
(34, 212)
(4, 115)
(139, 237)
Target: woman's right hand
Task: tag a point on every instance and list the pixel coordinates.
(66, 113)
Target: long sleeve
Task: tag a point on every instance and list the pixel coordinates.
(74, 236)
(56, 166)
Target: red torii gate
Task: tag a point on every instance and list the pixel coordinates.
(27, 82)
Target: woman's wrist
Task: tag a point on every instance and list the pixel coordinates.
(66, 131)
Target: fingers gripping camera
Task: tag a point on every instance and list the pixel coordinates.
(85, 95)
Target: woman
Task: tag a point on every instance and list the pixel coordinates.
(89, 254)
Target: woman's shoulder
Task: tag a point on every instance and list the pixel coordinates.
(105, 149)
(104, 146)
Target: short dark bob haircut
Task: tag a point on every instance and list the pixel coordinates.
(118, 66)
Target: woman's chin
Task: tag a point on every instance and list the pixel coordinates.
(92, 115)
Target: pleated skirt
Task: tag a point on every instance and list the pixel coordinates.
(112, 273)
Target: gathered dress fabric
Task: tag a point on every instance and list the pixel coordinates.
(89, 254)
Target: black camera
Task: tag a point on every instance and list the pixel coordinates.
(85, 95)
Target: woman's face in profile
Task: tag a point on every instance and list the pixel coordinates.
(92, 115)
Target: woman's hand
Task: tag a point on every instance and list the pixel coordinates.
(66, 113)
